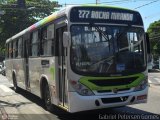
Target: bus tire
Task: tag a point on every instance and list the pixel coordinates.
(47, 98)
(15, 87)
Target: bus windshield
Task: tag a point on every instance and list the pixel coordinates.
(107, 49)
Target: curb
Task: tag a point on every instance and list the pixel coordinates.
(4, 114)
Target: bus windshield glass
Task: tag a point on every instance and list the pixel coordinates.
(107, 49)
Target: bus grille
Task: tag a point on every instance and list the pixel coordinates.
(113, 82)
(114, 100)
(119, 90)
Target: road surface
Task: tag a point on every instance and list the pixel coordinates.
(26, 106)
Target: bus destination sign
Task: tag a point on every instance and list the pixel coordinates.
(105, 15)
(85, 14)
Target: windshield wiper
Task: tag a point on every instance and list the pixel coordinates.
(99, 30)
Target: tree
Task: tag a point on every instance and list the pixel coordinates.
(20, 14)
(154, 34)
(2, 1)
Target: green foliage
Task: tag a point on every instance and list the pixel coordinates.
(154, 34)
(16, 19)
(2, 1)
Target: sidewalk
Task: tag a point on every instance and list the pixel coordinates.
(14, 106)
(4, 81)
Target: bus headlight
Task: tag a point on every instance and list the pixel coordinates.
(81, 89)
(142, 85)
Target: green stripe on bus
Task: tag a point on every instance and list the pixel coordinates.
(52, 72)
(86, 81)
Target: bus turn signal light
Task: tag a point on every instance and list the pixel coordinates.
(142, 97)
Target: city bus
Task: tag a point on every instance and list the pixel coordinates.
(82, 58)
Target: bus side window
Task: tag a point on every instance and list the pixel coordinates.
(15, 49)
(19, 48)
(6, 52)
(47, 35)
(11, 50)
(51, 40)
(43, 37)
(34, 44)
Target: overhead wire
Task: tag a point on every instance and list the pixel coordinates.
(109, 2)
(117, 2)
(112, 2)
(152, 15)
(146, 4)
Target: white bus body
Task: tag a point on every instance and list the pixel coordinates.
(77, 59)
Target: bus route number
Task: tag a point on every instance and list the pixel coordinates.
(84, 13)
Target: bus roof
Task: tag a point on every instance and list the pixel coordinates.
(40, 23)
(56, 15)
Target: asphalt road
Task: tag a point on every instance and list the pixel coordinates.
(154, 78)
(35, 108)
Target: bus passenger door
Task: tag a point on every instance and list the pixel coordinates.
(26, 65)
(62, 83)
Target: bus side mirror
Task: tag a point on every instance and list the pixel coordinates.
(148, 43)
(66, 39)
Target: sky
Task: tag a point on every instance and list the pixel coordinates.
(149, 12)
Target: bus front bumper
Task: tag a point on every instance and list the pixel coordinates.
(81, 103)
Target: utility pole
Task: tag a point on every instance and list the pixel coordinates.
(97, 1)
